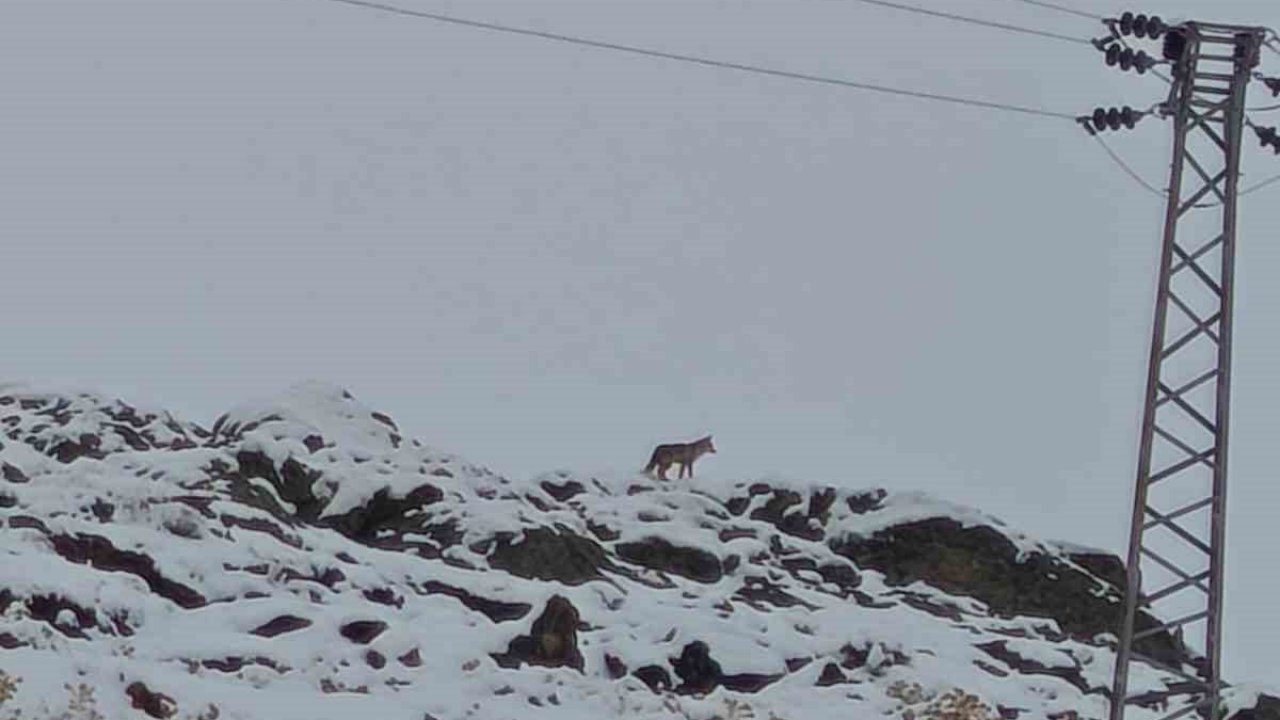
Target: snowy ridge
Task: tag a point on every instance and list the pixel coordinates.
(302, 559)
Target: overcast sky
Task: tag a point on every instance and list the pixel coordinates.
(544, 256)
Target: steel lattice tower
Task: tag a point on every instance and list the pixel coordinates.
(1178, 532)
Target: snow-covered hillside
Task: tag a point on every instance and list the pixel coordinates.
(302, 558)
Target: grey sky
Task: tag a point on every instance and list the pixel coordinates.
(547, 256)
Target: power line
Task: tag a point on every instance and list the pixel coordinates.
(1258, 186)
(975, 21)
(706, 62)
(1064, 9)
(1127, 168)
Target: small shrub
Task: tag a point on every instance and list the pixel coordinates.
(8, 686)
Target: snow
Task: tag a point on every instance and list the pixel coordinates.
(253, 565)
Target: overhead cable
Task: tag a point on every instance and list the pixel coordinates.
(1064, 9)
(1127, 168)
(975, 21)
(706, 62)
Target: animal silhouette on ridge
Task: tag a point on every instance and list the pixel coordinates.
(664, 456)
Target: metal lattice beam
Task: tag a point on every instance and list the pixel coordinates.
(1178, 531)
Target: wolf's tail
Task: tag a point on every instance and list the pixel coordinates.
(653, 463)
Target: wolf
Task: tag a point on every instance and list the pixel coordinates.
(664, 456)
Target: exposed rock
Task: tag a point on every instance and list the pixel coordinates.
(157, 705)
(748, 682)
(831, 675)
(982, 563)
(551, 642)
(382, 512)
(47, 607)
(102, 555)
(13, 473)
(695, 668)
(656, 553)
(384, 596)
(549, 555)
(1030, 666)
(654, 676)
(280, 625)
(362, 632)
(775, 512)
(759, 590)
(413, 658)
(866, 502)
(1267, 708)
(615, 667)
(563, 491)
(495, 610)
(293, 481)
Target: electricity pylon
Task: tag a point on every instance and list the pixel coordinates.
(1178, 533)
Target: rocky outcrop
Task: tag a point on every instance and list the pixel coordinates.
(547, 554)
(551, 642)
(657, 553)
(982, 563)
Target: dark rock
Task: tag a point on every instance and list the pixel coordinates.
(7, 500)
(737, 505)
(698, 672)
(852, 657)
(1267, 708)
(1028, 666)
(866, 502)
(17, 522)
(552, 641)
(314, 443)
(293, 481)
(655, 676)
(48, 607)
(615, 667)
(548, 555)
(982, 563)
(748, 682)
(820, 502)
(932, 606)
(102, 510)
(157, 705)
(602, 531)
(280, 625)
(8, 641)
(794, 664)
(384, 596)
(262, 525)
(758, 590)
(733, 533)
(413, 658)
(831, 675)
(375, 659)
(362, 632)
(13, 473)
(382, 512)
(563, 491)
(87, 445)
(495, 610)
(102, 555)
(843, 575)
(775, 513)
(658, 554)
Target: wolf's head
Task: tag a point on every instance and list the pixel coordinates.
(704, 445)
